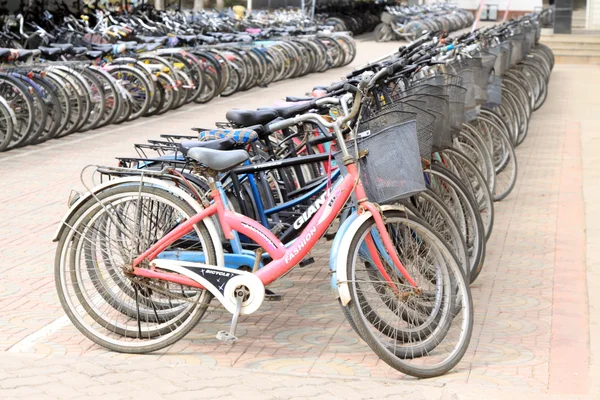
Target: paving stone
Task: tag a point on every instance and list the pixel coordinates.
(531, 301)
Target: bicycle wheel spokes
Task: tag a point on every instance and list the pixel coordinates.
(423, 331)
(115, 309)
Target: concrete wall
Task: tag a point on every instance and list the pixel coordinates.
(515, 5)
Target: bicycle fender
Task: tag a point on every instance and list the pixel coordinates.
(339, 253)
(168, 186)
(335, 247)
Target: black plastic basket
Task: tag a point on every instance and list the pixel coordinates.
(391, 168)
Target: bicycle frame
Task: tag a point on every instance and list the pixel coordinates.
(284, 259)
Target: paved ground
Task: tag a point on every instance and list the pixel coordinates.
(534, 318)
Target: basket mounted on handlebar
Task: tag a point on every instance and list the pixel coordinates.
(388, 148)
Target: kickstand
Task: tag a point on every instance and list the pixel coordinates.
(229, 337)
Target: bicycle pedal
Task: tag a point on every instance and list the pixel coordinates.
(226, 337)
(272, 296)
(306, 261)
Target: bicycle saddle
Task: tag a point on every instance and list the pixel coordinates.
(50, 52)
(79, 50)
(152, 46)
(25, 54)
(250, 117)
(92, 54)
(219, 144)
(206, 39)
(187, 38)
(107, 48)
(239, 135)
(4, 52)
(153, 39)
(289, 112)
(66, 47)
(220, 161)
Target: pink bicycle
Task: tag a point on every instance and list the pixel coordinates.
(139, 261)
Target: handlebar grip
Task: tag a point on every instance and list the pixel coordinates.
(350, 88)
(396, 66)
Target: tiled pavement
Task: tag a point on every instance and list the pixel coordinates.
(532, 321)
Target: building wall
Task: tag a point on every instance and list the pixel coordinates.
(594, 14)
(515, 5)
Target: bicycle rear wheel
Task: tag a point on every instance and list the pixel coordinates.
(116, 310)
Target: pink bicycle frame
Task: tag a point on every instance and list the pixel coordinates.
(284, 259)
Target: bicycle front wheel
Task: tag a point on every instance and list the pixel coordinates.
(423, 331)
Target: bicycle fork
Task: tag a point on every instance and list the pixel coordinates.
(389, 248)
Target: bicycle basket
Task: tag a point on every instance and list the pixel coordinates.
(467, 74)
(456, 106)
(433, 100)
(482, 77)
(391, 170)
(517, 49)
(494, 91)
(387, 18)
(507, 51)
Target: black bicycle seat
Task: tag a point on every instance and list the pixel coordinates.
(250, 117)
(187, 38)
(25, 54)
(65, 47)
(50, 52)
(94, 54)
(292, 111)
(153, 39)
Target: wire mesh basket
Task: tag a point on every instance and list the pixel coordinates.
(517, 49)
(530, 38)
(494, 91)
(467, 68)
(507, 51)
(482, 77)
(438, 80)
(392, 98)
(456, 106)
(390, 166)
(433, 100)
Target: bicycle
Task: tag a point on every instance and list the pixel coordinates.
(424, 295)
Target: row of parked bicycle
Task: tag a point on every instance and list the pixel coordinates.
(408, 22)
(44, 100)
(410, 153)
